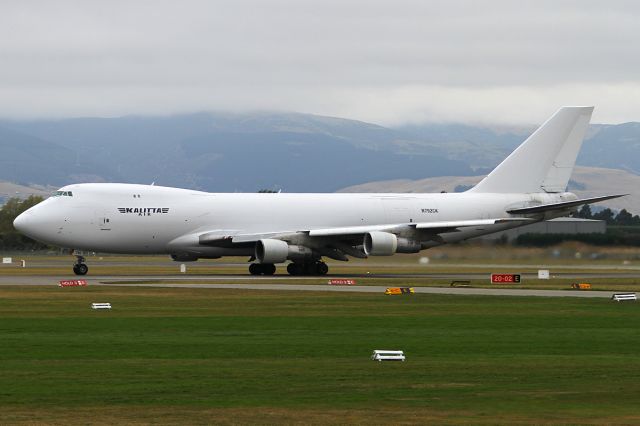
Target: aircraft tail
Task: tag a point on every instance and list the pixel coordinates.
(544, 162)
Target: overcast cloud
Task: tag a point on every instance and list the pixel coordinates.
(391, 62)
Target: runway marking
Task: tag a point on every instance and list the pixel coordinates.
(381, 289)
(191, 282)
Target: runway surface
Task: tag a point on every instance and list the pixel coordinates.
(289, 284)
(381, 289)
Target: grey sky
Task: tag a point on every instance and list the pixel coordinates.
(385, 62)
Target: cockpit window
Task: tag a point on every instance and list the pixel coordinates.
(63, 194)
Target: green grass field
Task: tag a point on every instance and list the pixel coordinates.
(196, 356)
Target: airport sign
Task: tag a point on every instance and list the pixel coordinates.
(505, 278)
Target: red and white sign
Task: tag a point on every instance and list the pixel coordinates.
(505, 278)
(72, 283)
(342, 282)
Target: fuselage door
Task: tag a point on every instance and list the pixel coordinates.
(104, 221)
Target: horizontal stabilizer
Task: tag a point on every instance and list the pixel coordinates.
(563, 205)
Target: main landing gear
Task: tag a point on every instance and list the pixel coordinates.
(80, 268)
(262, 269)
(308, 268)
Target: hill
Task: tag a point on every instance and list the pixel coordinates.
(483, 147)
(586, 182)
(289, 151)
(229, 152)
(9, 190)
(28, 159)
(613, 146)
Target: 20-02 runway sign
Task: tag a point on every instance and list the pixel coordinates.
(505, 278)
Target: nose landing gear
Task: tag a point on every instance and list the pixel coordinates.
(80, 268)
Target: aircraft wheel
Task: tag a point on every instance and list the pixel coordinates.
(80, 269)
(268, 269)
(255, 269)
(322, 268)
(311, 269)
(293, 269)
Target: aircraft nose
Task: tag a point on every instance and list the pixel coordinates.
(42, 223)
(31, 223)
(21, 223)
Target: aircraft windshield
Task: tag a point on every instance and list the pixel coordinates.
(63, 194)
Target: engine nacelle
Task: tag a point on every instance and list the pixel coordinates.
(184, 257)
(272, 251)
(406, 245)
(380, 243)
(299, 253)
(277, 251)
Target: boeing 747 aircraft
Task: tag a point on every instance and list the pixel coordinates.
(528, 186)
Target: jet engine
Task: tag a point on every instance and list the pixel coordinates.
(385, 244)
(406, 245)
(278, 251)
(184, 257)
(380, 243)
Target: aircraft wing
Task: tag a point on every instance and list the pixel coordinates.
(233, 237)
(435, 227)
(563, 205)
(456, 224)
(340, 242)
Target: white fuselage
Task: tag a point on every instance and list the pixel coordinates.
(127, 218)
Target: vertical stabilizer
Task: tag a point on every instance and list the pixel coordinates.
(544, 162)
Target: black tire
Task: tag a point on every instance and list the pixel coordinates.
(255, 269)
(80, 269)
(311, 269)
(292, 269)
(322, 268)
(268, 269)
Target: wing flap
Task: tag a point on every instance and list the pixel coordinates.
(353, 230)
(468, 223)
(443, 226)
(217, 236)
(251, 238)
(228, 237)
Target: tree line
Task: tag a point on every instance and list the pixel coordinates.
(623, 229)
(623, 218)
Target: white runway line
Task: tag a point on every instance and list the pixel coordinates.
(381, 289)
(113, 281)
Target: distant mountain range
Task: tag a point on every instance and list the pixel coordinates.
(585, 182)
(215, 152)
(288, 151)
(10, 190)
(606, 145)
